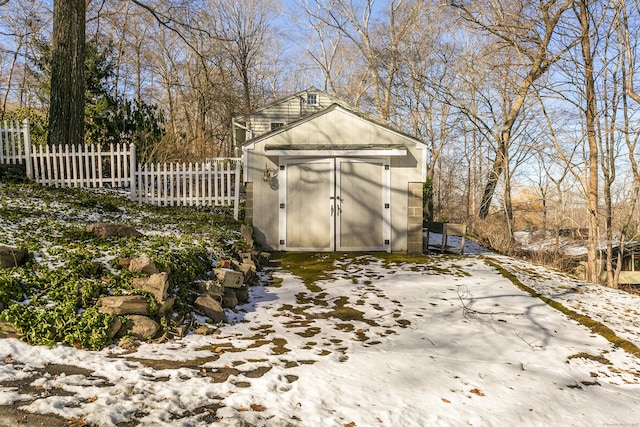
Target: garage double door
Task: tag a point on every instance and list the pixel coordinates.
(334, 204)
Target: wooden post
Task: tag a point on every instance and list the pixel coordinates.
(75, 165)
(42, 170)
(67, 158)
(236, 199)
(26, 134)
(132, 171)
(172, 185)
(183, 197)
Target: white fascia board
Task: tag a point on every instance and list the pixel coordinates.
(338, 153)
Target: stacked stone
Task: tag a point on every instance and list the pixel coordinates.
(230, 288)
(140, 323)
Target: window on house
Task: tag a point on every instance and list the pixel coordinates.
(312, 99)
(276, 125)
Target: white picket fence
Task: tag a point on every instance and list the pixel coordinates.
(82, 166)
(14, 142)
(189, 184)
(212, 183)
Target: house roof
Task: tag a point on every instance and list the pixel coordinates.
(288, 98)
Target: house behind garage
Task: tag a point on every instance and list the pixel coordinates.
(321, 175)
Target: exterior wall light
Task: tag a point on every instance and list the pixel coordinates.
(268, 174)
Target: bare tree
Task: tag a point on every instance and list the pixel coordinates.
(590, 115)
(487, 77)
(627, 37)
(330, 54)
(23, 24)
(526, 27)
(244, 28)
(383, 43)
(557, 162)
(424, 110)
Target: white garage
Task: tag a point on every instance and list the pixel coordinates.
(332, 179)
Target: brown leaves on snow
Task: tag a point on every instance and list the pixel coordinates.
(476, 392)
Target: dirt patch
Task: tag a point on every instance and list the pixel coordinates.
(11, 416)
(161, 364)
(52, 371)
(222, 374)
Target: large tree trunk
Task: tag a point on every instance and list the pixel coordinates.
(66, 110)
(492, 180)
(590, 123)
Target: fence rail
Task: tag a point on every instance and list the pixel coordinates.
(212, 183)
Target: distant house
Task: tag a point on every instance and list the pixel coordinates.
(324, 176)
(630, 268)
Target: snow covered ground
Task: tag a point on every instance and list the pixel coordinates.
(446, 341)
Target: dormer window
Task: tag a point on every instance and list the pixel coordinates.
(312, 99)
(276, 125)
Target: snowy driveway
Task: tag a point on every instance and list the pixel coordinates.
(448, 341)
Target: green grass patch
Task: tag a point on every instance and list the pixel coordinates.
(344, 313)
(600, 359)
(310, 267)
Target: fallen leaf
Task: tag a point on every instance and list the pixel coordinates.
(242, 409)
(293, 417)
(92, 399)
(256, 407)
(76, 422)
(476, 392)
(351, 424)
(8, 359)
(445, 400)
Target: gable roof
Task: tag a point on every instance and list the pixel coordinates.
(299, 94)
(333, 107)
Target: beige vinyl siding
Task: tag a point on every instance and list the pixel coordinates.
(286, 111)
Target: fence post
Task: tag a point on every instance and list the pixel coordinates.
(132, 170)
(26, 134)
(236, 199)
